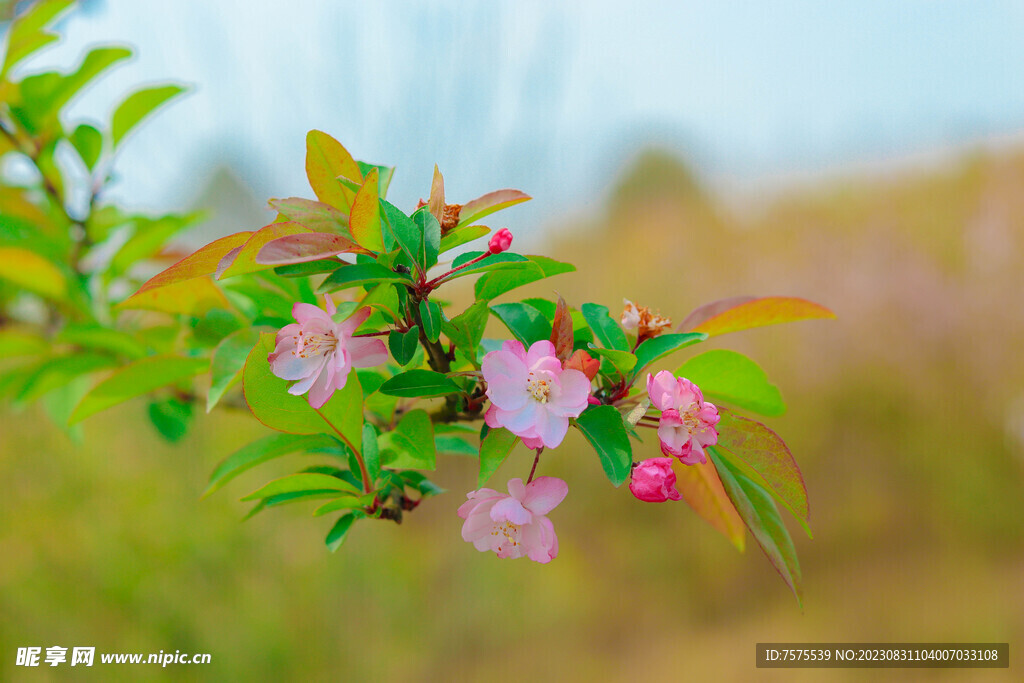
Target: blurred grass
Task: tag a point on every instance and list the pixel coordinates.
(906, 414)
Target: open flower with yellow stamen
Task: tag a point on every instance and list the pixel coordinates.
(319, 352)
(514, 524)
(531, 394)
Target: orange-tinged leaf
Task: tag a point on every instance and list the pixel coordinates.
(326, 159)
(28, 270)
(189, 297)
(364, 221)
(768, 310)
(316, 216)
(245, 260)
(203, 262)
(582, 361)
(748, 444)
(703, 490)
(489, 203)
(708, 311)
(561, 330)
(436, 202)
(310, 246)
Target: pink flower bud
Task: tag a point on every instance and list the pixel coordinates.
(500, 241)
(653, 481)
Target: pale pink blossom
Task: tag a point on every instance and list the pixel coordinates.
(531, 394)
(500, 241)
(319, 352)
(653, 481)
(687, 424)
(514, 524)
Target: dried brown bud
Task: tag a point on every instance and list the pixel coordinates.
(647, 325)
(450, 217)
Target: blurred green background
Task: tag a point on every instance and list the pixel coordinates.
(906, 415)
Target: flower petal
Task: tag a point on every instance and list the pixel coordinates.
(323, 387)
(569, 395)
(663, 390)
(367, 352)
(349, 326)
(544, 493)
(550, 428)
(287, 365)
(303, 313)
(510, 509)
(516, 348)
(540, 350)
(506, 377)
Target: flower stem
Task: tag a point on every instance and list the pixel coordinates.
(536, 459)
(439, 280)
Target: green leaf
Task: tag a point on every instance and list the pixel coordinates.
(730, 377)
(467, 328)
(430, 242)
(360, 274)
(606, 330)
(326, 159)
(88, 142)
(336, 536)
(100, 338)
(59, 371)
(761, 516)
(344, 503)
(20, 343)
(652, 349)
(493, 285)
(419, 481)
(495, 447)
(416, 236)
(606, 432)
(26, 34)
(203, 261)
(137, 379)
(403, 344)
(623, 361)
(525, 322)
(371, 452)
(411, 444)
(262, 450)
(748, 444)
(171, 417)
(304, 481)
(459, 236)
(491, 202)
(138, 106)
(491, 263)
(430, 316)
(420, 383)
(150, 236)
(45, 105)
(227, 363)
(318, 267)
(449, 444)
(269, 400)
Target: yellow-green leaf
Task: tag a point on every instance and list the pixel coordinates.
(326, 159)
(702, 489)
(365, 219)
(138, 106)
(244, 260)
(189, 297)
(30, 271)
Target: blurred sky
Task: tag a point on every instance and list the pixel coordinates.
(551, 98)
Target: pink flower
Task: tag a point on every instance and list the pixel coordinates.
(500, 241)
(687, 422)
(654, 481)
(515, 524)
(320, 352)
(531, 395)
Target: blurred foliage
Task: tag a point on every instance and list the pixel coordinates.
(65, 252)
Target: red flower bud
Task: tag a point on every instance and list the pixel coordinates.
(653, 481)
(500, 241)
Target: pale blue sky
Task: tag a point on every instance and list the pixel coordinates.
(549, 97)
